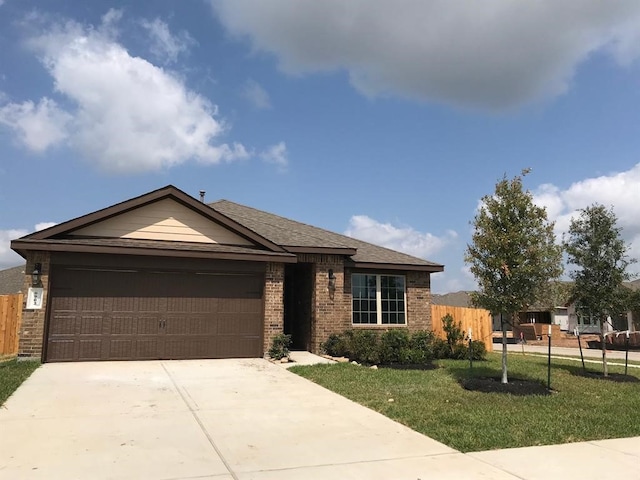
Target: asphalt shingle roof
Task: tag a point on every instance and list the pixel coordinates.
(11, 280)
(290, 233)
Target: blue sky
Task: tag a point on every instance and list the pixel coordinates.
(383, 120)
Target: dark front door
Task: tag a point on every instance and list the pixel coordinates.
(111, 314)
(298, 290)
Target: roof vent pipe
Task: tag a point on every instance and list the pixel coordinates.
(202, 192)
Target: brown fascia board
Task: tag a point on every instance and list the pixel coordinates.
(397, 266)
(161, 193)
(23, 246)
(323, 250)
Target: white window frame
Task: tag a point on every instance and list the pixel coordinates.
(379, 300)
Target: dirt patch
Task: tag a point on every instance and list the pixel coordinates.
(516, 386)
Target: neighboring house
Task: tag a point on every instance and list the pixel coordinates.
(453, 299)
(587, 324)
(165, 276)
(563, 315)
(12, 280)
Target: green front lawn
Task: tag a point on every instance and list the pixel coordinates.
(12, 374)
(433, 402)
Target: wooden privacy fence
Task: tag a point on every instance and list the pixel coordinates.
(475, 318)
(10, 318)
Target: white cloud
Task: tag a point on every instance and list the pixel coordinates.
(403, 239)
(129, 115)
(256, 95)
(44, 225)
(9, 258)
(37, 127)
(620, 191)
(494, 56)
(276, 155)
(165, 45)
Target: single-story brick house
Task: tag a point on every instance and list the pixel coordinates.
(164, 275)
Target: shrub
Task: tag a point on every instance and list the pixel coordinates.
(335, 346)
(395, 346)
(479, 350)
(280, 346)
(422, 346)
(362, 346)
(441, 348)
(454, 333)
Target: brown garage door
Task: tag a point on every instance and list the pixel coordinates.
(102, 314)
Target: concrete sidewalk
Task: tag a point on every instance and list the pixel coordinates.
(614, 355)
(244, 419)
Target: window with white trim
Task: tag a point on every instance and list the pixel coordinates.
(378, 299)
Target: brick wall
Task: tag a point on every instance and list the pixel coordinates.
(418, 301)
(273, 303)
(331, 308)
(32, 327)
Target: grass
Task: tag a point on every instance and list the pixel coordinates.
(433, 402)
(12, 374)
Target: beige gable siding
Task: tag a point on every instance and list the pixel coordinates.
(163, 220)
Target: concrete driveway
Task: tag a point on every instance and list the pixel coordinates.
(209, 419)
(243, 419)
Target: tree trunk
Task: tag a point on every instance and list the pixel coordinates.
(504, 350)
(603, 329)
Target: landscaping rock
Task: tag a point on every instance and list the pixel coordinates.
(355, 363)
(341, 359)
(284, 360)
(373, 367)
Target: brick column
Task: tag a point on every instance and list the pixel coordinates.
(273, 303)
(32, 328)
(418, 301)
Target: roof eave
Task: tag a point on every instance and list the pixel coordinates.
(397, 266)
(348, 251)
(22, 246)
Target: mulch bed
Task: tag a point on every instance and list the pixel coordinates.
(516, 386)
(612, 377)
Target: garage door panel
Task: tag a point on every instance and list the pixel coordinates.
(122, 325)
(187, 325)
(120, 349)
(92, 304)
(149, 304)
(124, 305)
(101, 315)
(147, 348)
(63, 325)
(65, 304)
(90, 349)
(183, 348)
(62, 350)
(92, 325)
(148, 325)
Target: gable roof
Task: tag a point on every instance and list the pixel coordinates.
(12, 280)
(269, 237)
(60, 237)
(302, 238)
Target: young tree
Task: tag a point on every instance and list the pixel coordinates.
(513, 254)
(595, 246)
